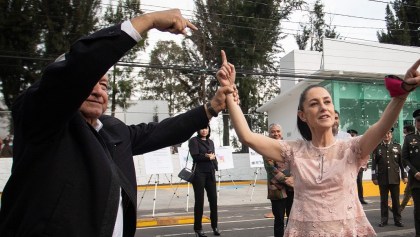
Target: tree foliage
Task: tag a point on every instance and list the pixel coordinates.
(18, 45)
(33, 33)
(249, 32)
(63, 22)
(314, 32)
(402, 23)
(122, 81)
(165, 80)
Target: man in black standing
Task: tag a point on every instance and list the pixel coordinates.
(386, 168)
(359, 180)
(411, 156)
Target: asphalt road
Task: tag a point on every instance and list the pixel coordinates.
(247, 220)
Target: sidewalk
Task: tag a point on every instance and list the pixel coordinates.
(170, 206)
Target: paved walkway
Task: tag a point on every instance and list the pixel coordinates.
(174, 204)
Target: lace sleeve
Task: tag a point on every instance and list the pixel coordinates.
(286, 150)
(355, 148)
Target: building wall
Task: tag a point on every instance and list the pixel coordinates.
(298, 62)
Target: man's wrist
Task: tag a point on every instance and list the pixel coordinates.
(211, 110)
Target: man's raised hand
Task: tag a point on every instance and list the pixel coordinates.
(170, 20)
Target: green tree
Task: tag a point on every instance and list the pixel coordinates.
(165, 80)
(315, 30)
(18, 46)
(33, 33)
(402, 24)
(303, 38)
(122, 81)
(249, 32)
(64, 22)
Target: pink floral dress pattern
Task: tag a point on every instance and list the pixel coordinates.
(326, 201)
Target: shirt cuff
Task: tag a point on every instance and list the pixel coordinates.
(128, 28)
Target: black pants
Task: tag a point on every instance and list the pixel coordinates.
(415, 193)
(360, 184)
(394, 189)
(279, 207)
(204, 181)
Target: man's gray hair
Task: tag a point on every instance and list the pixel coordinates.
(275, 125)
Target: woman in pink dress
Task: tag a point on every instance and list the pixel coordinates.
(326, 202)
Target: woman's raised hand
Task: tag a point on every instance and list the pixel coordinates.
(226, 74)
(412, 76)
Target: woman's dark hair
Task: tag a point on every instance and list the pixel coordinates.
(208, 135)
(303, 127)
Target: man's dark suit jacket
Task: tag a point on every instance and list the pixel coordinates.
(66, 177)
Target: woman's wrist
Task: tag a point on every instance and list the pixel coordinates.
(408, 87)
(397, 87)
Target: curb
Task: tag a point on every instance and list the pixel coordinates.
(165, 221)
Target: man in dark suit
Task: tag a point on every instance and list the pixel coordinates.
(411, 157)
(386, 168)
(73, 171)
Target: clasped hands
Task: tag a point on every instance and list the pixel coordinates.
(211, 156)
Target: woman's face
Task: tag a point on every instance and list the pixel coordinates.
(204, 132)
(318, 109)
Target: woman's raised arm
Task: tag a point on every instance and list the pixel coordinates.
(265, 146)
(399, 90)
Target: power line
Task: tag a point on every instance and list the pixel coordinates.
(405, 5)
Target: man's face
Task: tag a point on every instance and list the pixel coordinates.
(275, 133)
(417, 123)
(97, 102)
(388, 136)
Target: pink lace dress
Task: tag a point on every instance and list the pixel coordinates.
(326, 202)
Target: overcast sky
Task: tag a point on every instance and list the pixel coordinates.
(365, 11)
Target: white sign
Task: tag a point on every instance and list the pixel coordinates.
(182, 153)
(224, 157)
(158, 162)
(255, 159)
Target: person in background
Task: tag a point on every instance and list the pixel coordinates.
(359, 180)
(336, 128)
(73, 171)
(6, 151)
(325, 201)
(411, 157)
(205, 166)
(279, 185)
(407, 130)
(387, 168)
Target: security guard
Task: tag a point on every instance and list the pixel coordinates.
(386, 167)
(411, 157)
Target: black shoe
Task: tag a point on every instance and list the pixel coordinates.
(399, 224)
(200, 233)
(363, 201)
(216, 231)
(382, 224)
